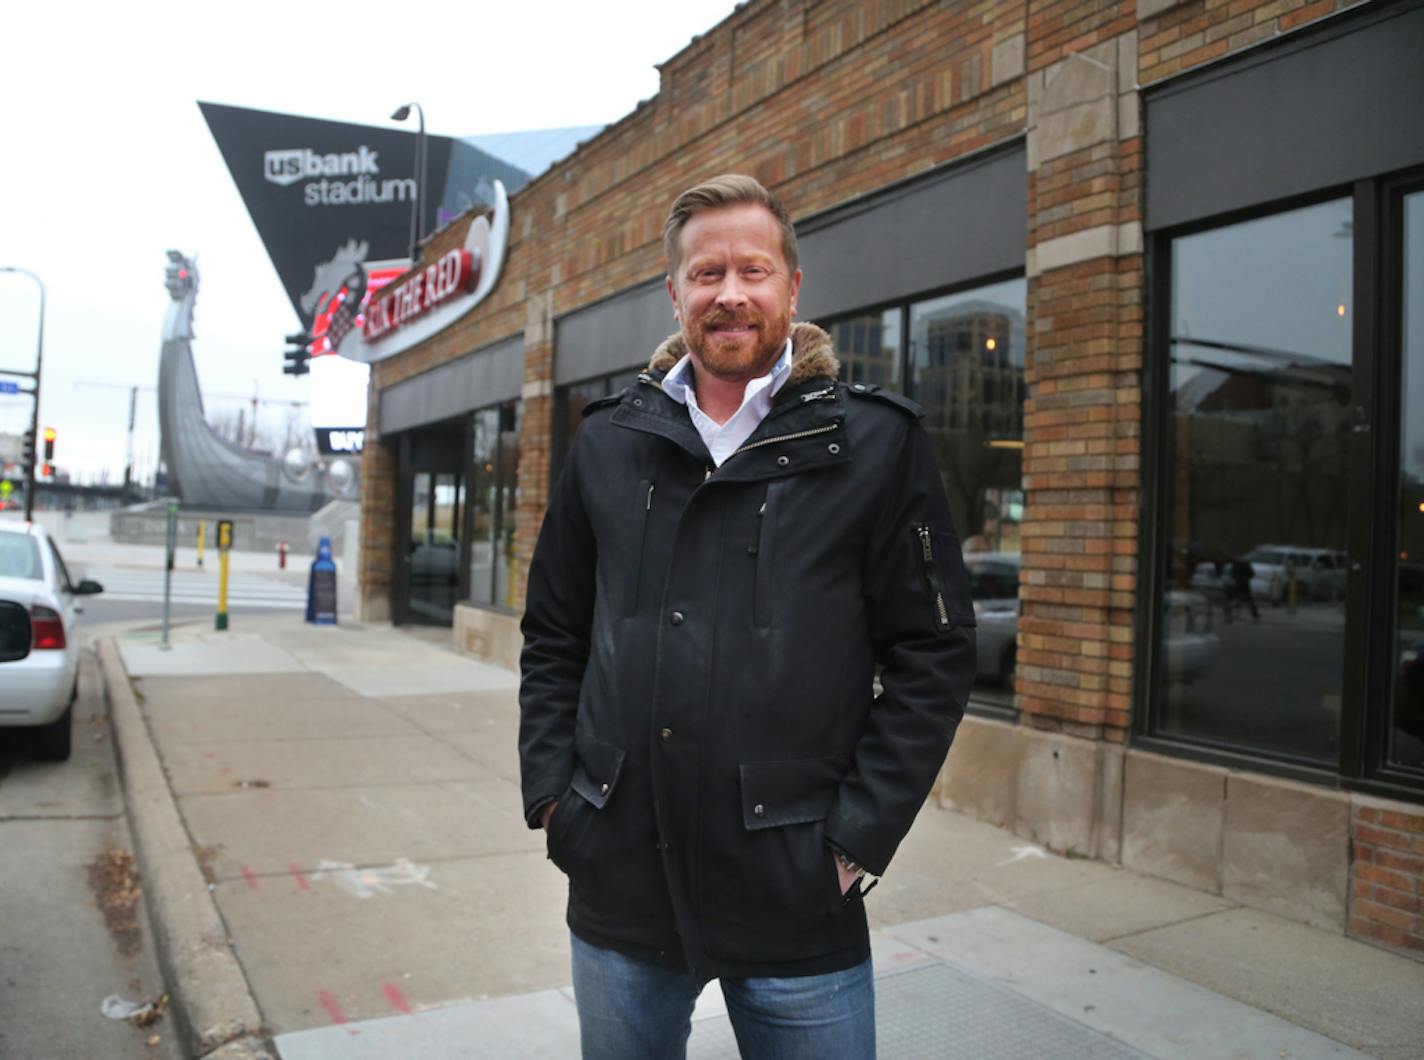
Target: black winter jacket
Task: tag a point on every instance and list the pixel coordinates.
(700, 646)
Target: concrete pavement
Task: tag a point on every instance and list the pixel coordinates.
(350, 796)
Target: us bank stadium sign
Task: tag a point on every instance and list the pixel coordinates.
(364, 315)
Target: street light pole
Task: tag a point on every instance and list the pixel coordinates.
(35, 414)
(417, 223)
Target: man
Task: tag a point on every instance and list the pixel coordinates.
(735, 544)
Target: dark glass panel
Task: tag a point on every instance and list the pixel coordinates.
(1406, 729)
(966, 367)
(484, 501)
(869, 348)
(1253, 617)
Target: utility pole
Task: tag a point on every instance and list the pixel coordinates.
(129, 448)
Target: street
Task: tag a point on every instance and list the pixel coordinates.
(68, 849)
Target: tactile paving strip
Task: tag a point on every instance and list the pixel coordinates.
(943, 1011)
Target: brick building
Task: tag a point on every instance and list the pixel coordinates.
(1154, 270)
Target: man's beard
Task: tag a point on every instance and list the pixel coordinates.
(737, 360)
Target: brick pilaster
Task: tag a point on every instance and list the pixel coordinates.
(1082, 415)
(535, 435)
(377, 558)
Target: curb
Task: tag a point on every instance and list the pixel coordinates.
(214, 1006)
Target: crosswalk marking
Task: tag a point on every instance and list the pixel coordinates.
(191, 587)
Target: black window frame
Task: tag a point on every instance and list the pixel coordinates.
(1376, 365)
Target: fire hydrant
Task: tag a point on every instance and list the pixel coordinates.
(281, 555)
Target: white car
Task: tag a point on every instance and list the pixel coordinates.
(1318, 573)
(39, 652)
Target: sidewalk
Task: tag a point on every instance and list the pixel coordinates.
(351, 796)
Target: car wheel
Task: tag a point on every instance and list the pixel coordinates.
(52, 742)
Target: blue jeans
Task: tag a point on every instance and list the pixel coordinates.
(629, 1010)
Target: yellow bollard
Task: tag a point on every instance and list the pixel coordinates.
(224, 544)
(202, 533)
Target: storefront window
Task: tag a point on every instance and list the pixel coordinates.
(434, 545)
(494, 498)
(1252, 629)
(573, 398)
(966, 368)
(1406, 731)
(964, 363)
(869, 348)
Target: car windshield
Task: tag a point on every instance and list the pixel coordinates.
(1266, 555)
(19, 557)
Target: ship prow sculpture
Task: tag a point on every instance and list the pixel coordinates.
(204, 469)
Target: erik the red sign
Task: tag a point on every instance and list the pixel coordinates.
(455, 273)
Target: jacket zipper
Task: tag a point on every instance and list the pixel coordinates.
(785, 438)
(642, 545)
(931, 575)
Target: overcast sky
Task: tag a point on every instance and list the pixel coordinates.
(107, 163)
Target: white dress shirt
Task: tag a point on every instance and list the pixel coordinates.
(724, 439)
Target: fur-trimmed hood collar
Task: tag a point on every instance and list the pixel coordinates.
(811, 355)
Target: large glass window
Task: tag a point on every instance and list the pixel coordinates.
(434, 545)
(1252, 623)
(1405, 745)
(869, 348)
(494, 502)
(572, 399)
(964, 363)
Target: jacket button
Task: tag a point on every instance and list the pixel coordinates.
(603, 790)
(782, 461)
(676, 618)
(665, 735)
(759, 810)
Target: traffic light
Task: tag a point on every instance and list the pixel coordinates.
(298, 355)
(49, 444)
(27, 456)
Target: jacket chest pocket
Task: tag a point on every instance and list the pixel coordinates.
(643, 514)
(763, 548)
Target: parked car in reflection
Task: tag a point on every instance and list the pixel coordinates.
(1319, 574)
(994, 585)
(39, 649)
(1192, 644)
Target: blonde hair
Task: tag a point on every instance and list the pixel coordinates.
(730, 189)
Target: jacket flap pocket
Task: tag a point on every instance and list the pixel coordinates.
(793, 792)
(599, 765)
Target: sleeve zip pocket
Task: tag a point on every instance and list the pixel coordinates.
(930, 572)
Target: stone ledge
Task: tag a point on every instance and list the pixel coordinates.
(488, 635)
(1173, 815)
(1285, 848)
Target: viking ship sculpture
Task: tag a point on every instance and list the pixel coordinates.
(204, 469)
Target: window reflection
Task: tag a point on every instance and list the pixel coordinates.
(964, 364)
(966, 368)
(434, 545)
(494, 502)
(869, 348)
(574, 398)
(1406, 737)
(1253, 615)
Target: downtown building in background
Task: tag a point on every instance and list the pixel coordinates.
(1155, 272)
